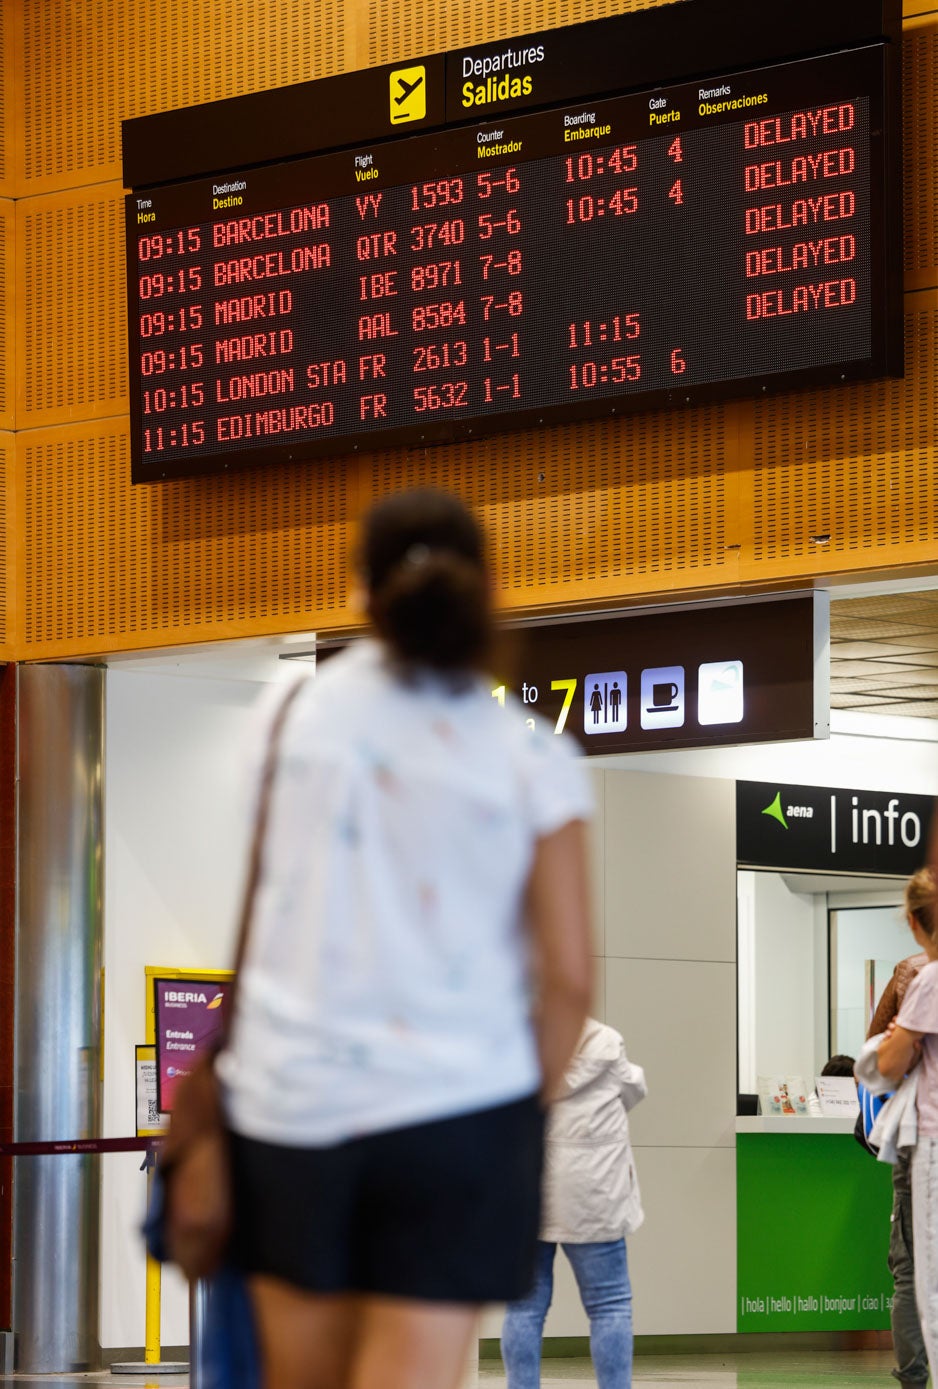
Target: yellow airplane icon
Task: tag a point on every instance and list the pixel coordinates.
(408, 94)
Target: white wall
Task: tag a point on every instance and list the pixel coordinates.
(670, 924)
(175, 847)
(666, 917)
(781, 990)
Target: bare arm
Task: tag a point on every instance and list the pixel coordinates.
(558, 917)
(898, 1052)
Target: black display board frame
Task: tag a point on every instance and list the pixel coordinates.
(666, 44)
(585, 61)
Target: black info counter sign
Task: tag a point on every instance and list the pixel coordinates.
(825, 829)
(630, 213)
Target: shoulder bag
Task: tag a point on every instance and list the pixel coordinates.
(192, 1213)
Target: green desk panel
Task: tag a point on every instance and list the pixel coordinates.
(812, 1235)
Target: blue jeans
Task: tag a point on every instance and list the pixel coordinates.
(602, 1276)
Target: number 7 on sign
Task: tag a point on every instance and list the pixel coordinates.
(569, 688)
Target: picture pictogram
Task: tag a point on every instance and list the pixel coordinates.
(663, 697)
(605, 702)
(720, 696)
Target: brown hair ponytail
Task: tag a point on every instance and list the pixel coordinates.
(423, 557)
(919, 898)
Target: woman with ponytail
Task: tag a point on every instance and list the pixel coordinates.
(416, 977)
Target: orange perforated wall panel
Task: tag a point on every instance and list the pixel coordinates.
(108, 567)
(89, 66)
(856, 466)
(398, 31)
(920, 150)
(8, 104)
(584, 514)
(71, 340)
(7, 316)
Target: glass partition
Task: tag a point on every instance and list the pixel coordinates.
(866, 944)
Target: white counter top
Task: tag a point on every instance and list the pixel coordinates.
(793, 1123)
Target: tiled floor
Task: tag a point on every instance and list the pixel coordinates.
(766, 1370)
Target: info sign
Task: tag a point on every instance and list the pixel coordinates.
(825, 828)
(190, 1015)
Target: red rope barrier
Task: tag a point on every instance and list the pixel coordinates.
(79, 1145)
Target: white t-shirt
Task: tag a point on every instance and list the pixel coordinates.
(386, 979)
(919, 1013)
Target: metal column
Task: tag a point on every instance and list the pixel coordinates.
(60, 853)
(199, 1294)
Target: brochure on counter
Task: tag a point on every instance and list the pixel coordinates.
(833, 1097)
(782, 1095)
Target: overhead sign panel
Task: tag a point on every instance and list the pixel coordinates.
(702, 676)
(827, 829)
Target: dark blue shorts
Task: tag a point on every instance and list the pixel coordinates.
(442, 1211)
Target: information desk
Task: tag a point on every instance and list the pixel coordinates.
(812, 1228)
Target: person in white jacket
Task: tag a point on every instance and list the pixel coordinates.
(591, 1202)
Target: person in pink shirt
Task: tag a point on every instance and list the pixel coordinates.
(910, 1040)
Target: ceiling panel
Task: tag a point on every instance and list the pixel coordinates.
(884, 654)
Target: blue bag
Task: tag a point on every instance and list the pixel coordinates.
(230, 1358)
(228, 1352)
(870, 1105)
(154, 1226)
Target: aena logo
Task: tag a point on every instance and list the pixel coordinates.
(869, 825)
(794, 812)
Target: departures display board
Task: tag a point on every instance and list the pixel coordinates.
(655, 248)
